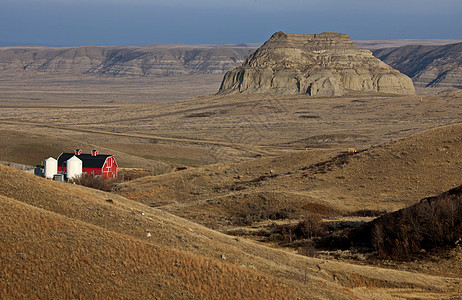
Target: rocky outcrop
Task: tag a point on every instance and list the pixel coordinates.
(325, 64)
(165, 60)
(428, 66)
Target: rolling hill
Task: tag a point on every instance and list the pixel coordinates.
(63, 240)
(388, 176)
(49, 255)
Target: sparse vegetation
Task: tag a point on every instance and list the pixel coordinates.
(308, 249)
(310, 227)
(254, 212)
(261, 208)
(367, 213)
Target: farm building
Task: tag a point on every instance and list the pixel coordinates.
(94, 163)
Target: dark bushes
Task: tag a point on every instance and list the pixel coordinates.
(310, 227)
(308, 249)
(262, 208)
(430, 224)
(95, 182)
(253, 212)
(433, 224)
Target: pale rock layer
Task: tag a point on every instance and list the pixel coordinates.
(326, 64)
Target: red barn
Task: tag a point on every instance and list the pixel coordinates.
(94, 163)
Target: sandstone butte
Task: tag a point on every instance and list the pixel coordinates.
(326, 64)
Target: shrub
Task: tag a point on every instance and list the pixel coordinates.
(308, 249)
(261, 210)
(310, 227)
(95, 182)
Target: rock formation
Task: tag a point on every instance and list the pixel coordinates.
(326, 64)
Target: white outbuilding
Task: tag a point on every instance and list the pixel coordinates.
(50, 167)
(73, 167)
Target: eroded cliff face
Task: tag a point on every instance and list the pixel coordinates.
(428, 66)
(168, 60)
(325, 64)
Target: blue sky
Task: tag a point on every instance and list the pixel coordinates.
(142, 22)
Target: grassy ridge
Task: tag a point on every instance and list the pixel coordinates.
(45, 255)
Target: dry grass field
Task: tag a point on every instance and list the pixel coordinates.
(73, 249)
(40, 87)
(84, 243)
(210, 129)
(245, 157)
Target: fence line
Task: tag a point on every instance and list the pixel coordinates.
(17, 166)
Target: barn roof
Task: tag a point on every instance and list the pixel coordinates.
(88, 160)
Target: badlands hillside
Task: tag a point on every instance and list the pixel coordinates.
(168, 60)
(159, 73)
(163, 60)
(429, 66)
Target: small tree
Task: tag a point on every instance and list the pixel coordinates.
(310, 227)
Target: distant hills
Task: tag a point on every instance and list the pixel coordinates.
(380, 44)
(430, 63)
(429, 66)
(161, 60)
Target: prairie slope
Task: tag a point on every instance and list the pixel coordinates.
(94, 235)
(47, 255)
(388, 176)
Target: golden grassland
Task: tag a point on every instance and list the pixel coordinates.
(270, 153)
(69, 241)
(385, 177)
(211, 129)
(46, 255)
